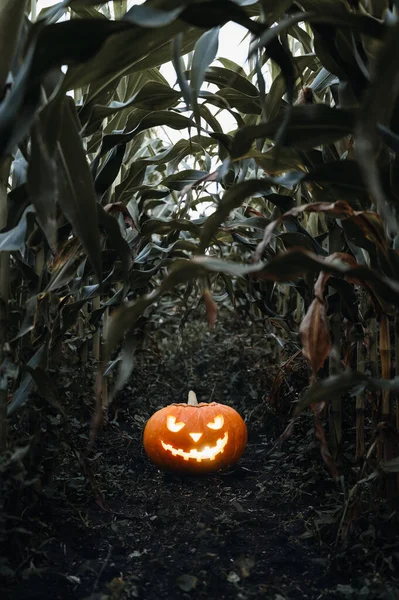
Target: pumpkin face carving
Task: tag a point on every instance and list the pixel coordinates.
(195, 438)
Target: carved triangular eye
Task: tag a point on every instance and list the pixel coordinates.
(172, 425)
(217, 423)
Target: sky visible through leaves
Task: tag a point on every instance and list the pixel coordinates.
(233, 44)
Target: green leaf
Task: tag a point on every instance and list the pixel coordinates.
(11, 20)
(42, 177)
(390, 138)
(218, 12)
(278, 160)
(148, 16)
(81, 3)
(245, 104)
(344, 173)
(109, 169)
(77, 197)
(17, 110)
(45, 387)
(125, 317)
(309, 126)
(180, 180)
(179, 66)
(325, 390)
(227, 78)
(148, 48)
(110, 224)
(348, 298)
(360, 23)
(20, 105)
(154, 119)
(65, 267)
(274, 97)
(29, 318)
(21, 395)
(390, 466)
(376, 108)
(164, 226)
(211, 14)
(176, 153)
(295, 263)
(233, 198)
(14, 239)
(295, 239)
(323, 80)
(204, 54)
(273, 10)
(152, 96)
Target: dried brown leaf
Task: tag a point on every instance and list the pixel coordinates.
(315, 334)
(369, 223)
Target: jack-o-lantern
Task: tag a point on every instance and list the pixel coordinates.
(195, 438)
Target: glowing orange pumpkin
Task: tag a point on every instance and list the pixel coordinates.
(195, 438)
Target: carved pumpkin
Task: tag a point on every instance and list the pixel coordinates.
(195, 438)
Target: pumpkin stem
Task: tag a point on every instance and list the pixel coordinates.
(192, 399)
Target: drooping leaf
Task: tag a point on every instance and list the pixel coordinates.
(182, 179)
(14, 239)
(309, 126)
(339, 209)
(110, 169)
(42, 176)
(77, 197)
(360, 23)
(296, 262)
(233, 198)
(154, 119)
(148, 48)
(314, 329)
(226, 78)
(162, 226)
(126, 316)
(18, 109)
(376, 108)
(111, 226)
(353, 382)
(204, 54)
(218, 12)
(211, 308)
(152, 96)
(65, 265)
(45, 387)
(21, 395)
(179, 66)
(148, 16)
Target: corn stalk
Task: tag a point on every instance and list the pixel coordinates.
(4, 293)
(360, 442)
(334, 243)
(387, 440)
(360, 401)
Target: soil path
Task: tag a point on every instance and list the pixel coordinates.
(247, 533)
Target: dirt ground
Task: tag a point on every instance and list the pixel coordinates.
(264, 529)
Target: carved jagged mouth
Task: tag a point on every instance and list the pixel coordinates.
(206, 453)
